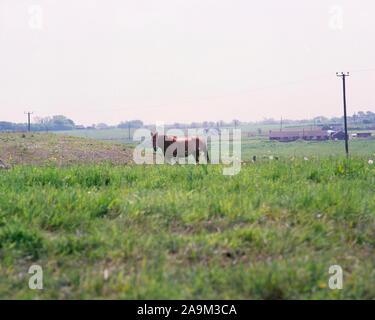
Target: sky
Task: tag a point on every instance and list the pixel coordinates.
(184, 60)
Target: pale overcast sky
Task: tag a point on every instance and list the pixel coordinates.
(184, 60)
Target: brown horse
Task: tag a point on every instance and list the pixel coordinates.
(179, 147)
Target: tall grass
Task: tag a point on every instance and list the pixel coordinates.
(163, 232)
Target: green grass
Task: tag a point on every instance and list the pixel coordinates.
(51, 149)
(259, 146)
(263, 147)
(189, 232)
(114, 135)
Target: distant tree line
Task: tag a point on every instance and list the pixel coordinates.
(54, 123)
(131, 124)
(60, 122)
(361, 117)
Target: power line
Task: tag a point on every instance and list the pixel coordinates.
(28, 120)
(343, 76)
(363, 70)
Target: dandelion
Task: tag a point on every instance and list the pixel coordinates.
(370, 161)
(323, 285)
(292, 159)
(10, 157)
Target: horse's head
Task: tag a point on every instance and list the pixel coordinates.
(154, 137)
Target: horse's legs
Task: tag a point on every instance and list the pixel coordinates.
(197, 156)
(197, 151)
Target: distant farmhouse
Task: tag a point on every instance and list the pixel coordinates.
(313, 135)
(310, 135)
(359, 135)
(339, 135)
(363, 134)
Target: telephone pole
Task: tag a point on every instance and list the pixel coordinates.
(281, 124)
(343, 76)
(28, 120)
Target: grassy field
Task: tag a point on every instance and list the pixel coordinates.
(51, 149)
(117, 230)
(259, 146)
(263, 147)
(113, 135)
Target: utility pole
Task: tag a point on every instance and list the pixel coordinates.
(343, 76)
(28, 120)
(129, 129)
(281, 124)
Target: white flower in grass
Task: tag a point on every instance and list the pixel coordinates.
(370, 161)
(271, 157)
(305, 158)
(105, 274)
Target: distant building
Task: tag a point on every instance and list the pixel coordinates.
(79, 127)
(339, 135)
(310, 135)
(284, 136)
(363, 134)
(319, 135)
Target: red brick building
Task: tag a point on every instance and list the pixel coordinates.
(310, 135)
(363, 134)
